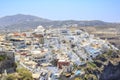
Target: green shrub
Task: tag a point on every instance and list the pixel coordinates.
(2, 57)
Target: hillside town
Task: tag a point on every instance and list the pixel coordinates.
(49, 53)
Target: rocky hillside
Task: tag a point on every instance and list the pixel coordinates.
(111, 71)
(104, 67)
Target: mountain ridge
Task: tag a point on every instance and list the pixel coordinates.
(29, 21)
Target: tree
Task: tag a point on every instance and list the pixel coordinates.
(11, 77)
(2, 57)
(90, 77)
(25, 74)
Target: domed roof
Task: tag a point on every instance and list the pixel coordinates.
(40, 29)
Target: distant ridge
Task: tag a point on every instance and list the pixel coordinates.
(19, 18)
(21, 21)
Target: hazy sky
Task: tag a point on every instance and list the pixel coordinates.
(106, 10)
